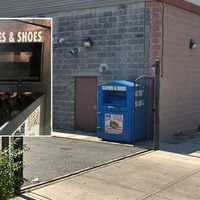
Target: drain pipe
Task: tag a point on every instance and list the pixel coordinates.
(156, 137)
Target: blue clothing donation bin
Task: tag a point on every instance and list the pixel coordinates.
(120, 115)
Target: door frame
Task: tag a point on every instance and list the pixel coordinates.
(75, 87)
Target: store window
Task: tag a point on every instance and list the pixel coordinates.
(20, 62)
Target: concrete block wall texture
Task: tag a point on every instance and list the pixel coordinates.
(120, 40)
(180, 85)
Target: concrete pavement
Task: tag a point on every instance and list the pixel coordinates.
(152, 176)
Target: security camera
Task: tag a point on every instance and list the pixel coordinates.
(71, 52)
(75, 51)
(103, 68)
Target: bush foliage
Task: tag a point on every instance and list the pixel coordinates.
(8, 169)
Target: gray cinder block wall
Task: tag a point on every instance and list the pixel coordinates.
(119, 34)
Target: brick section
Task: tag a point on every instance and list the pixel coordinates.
(180, 85)
(119, 37)
(155, 20)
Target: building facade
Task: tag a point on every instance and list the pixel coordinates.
(119, 36)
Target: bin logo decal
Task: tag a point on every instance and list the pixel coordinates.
(113, 123)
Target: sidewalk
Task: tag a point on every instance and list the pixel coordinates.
(153, 176)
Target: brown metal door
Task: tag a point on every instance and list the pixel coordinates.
(85, 106)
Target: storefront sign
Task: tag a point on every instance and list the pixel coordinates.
(113, 123)
(21, 37)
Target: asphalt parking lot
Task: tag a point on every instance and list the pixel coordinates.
(51, 157)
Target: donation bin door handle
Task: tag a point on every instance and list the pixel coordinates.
(110, 107)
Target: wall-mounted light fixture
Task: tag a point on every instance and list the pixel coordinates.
(57, 40)
(61, 40)
(193, 44)
(87, 43)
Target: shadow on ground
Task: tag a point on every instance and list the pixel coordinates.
(183, 144)
(25, 197)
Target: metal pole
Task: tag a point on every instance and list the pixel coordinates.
(156, 139)
(18, 145)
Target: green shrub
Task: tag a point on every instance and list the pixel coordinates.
(8, 168)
